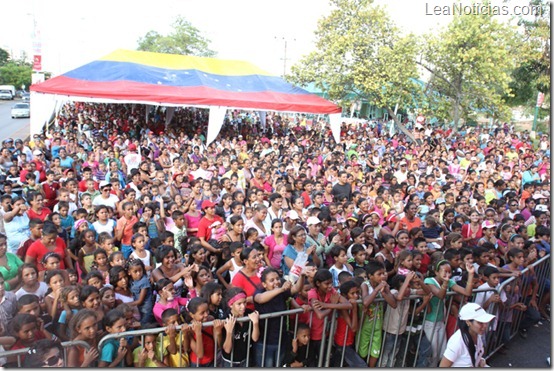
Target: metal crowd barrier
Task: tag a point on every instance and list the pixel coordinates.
(217, 356)
(518, 290)
(23, 351)
(421, 344)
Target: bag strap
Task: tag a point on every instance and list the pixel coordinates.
(249, 280)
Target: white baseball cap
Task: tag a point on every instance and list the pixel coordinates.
(292, 214)
(473, 311)
(313, 220)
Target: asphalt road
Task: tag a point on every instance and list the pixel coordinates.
(12, 128)
(527, 353)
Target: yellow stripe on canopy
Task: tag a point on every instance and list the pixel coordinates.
(186, 62)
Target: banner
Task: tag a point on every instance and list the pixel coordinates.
(262, 119)
(37, 63)
(169, 111)
(217, 116)
(335, 121)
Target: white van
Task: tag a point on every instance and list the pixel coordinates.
(10, 88)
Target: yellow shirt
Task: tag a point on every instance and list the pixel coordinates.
(175, 360)
(136, 357)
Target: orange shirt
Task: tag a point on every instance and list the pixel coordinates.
(128, 231)
(406, 224)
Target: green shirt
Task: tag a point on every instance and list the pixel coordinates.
(10, 272)
(437, 305)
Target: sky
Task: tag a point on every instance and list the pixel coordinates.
(75, 32)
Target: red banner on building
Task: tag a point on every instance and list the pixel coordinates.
(540, 99)
(37, 63)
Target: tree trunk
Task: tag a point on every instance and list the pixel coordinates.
(456, 113)
(400, 125)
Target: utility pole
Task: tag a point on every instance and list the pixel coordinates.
(284, 59)
(540, 99)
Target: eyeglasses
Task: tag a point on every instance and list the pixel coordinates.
(52, 361)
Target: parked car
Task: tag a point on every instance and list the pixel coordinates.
(21, 110)
(26, 97)
(6, 95)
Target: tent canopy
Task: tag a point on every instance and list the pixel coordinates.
(127, 76)
(136, 76)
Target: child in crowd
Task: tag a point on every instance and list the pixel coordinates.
(338, 254)
(323, 299)
(202, 339)
(84, 327)
(297, 353)
(236, 335)
(347, 326)
(370, 334)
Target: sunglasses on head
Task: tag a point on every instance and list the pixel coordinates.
(52, 361)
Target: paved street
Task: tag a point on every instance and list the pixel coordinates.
(14, 128)
(527, 353)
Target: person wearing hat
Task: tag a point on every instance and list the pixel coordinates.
(401, 174)
(206, 224)
(291, 220)
(530, 175)
(105, 197)
(314, 237)
(132, 159)
(465, 348)
(21, 148)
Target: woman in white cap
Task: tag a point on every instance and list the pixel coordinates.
(465, 348)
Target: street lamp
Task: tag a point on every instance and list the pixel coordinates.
(284, 59)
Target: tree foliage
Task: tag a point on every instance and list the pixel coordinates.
(533, 72)
(16, 73)
(361, 52)
(185, 39)
(470, 62)
(4, 57)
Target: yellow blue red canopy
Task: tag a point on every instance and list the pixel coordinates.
(136, 76)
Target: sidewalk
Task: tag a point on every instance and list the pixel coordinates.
(527, 353)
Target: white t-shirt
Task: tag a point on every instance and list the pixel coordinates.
(132, 160)
(111, 201)
(40, 292)
(457, 352)
(108, 227)
(482, 297)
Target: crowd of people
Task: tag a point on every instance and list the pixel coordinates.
(117, 218)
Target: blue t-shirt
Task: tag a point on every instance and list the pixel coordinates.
(109, 351)
(67, 222)
(66, 162)
(136, 288)
(63, 315)
(291, 252)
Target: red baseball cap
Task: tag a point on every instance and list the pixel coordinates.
(207, 203)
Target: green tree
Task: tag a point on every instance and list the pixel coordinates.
(471, 62)
(16, 74)
(533, 72)
(4, 57)
(361, 53)
(185, 39)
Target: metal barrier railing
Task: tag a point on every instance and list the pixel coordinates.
(24, 351)
(531, 283)
(161, 330)
(418, 338)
